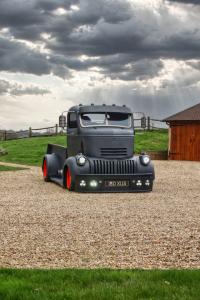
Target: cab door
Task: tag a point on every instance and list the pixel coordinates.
(73, 139)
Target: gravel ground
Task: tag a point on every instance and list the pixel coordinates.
(43, 225)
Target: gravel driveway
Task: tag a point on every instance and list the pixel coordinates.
(43, 225)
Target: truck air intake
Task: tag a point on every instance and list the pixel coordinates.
(112, 166)
(113, 152)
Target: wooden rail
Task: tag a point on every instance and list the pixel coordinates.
(144, 123)
(31, 132)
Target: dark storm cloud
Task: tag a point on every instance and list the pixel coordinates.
(112, 11)
(28, 19)
(18, 13)
(100, 43)
(52, 5)
(139, 35)
(33, 12)
(16, 57)
(7, 88)
(139, 70)
(196, 2)
(128, 41)
(114, 66)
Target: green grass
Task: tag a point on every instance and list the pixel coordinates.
(99, 284)
(31, 151)
(8, 168)
(156, 140)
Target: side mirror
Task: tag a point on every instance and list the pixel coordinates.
(62, 121)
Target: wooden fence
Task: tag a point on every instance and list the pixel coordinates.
(30, 132)
(144, 123)
(148, 123)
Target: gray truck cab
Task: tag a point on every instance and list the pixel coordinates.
(100, 131)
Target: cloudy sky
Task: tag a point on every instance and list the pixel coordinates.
(56, 53)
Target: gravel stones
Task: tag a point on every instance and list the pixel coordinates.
(43, 225)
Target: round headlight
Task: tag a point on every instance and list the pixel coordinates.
(81, 160)
(145, 160)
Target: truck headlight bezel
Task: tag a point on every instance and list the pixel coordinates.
(81, 160)
(145, 160)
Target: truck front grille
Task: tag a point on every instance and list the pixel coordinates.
(113, 152)
(113, 166)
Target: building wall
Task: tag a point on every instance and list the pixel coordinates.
(184, 141)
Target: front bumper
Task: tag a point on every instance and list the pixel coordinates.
(114, 183)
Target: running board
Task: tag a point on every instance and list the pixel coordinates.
(58, 180)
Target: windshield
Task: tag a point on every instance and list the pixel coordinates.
(105, 119)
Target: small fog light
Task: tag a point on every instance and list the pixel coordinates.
(147, 182)
(139, 183)
(93, 183)
(82, 183)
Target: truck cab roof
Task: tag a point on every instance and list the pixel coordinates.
(100, 109)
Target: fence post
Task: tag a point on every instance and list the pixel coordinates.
(56, 129)
(143, 122)
(5, 135)
(30, 132)
(148, 123)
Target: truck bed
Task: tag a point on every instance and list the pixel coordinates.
(59, 150)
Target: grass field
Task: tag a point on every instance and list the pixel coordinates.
(99, 284)
(156, 140)
(30, 151)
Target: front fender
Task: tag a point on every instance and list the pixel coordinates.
(75, 169)
(53, 164)
(140, 168)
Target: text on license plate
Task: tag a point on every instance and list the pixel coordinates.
(116, 183)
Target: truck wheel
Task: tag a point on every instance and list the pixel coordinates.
(45, 170)
(69, 182)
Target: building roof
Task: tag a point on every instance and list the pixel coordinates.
(189, 114)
